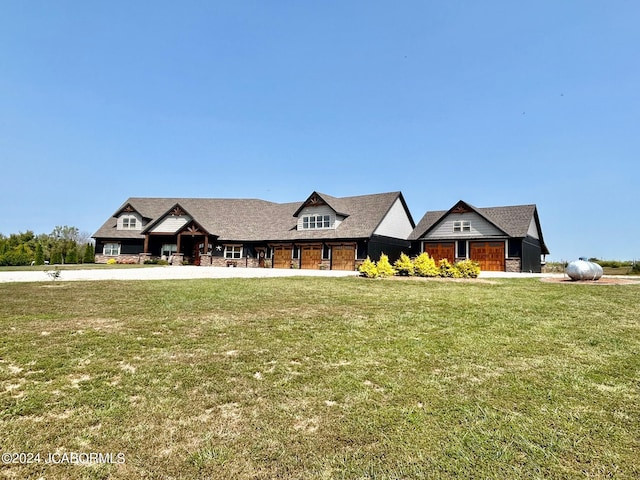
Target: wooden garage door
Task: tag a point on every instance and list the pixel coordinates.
(311, 257)
(438, 251)
(343, 257)
(490, 255)
(282, 257)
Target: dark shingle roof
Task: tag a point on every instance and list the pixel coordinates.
(256, 220)
(514, 220)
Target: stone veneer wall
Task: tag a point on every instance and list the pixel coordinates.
(226, 262)
(133, 258)
(513, 265)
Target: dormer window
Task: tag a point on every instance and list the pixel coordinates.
(462, 226)
(316, 221)
(129, 223)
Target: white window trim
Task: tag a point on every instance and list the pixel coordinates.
(325, 220)
(171, 250)
(132, 223)
(230, 250)
(460, 226)
(109, 247)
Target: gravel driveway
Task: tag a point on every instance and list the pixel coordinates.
(165, 273)
(192, 272)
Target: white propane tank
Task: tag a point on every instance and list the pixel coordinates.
(583, 270)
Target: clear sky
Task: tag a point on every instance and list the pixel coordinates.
(491, 102)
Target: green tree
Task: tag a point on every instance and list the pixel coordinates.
(72, 253)
(39, 259)
(56, 256)
(89, 254)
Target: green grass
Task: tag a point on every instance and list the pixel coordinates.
(322, 378)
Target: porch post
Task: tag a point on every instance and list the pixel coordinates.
(178, 244)
(206, 244)
(146, 243)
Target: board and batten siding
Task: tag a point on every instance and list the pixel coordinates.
(479, 228)
(171, 224)
(396, 223)
(319, 210)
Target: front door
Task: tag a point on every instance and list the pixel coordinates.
(195, 253)
(311, 257)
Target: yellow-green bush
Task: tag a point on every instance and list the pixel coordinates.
(467, 268)
(384, 267)
(404, 265)
(447, 270)
(425, 266)
(111, 261)
(368, 269)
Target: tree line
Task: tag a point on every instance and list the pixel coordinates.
(63, 245)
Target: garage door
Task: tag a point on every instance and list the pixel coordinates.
(490, 255)
(282, 257)
(311, 257)
(343, 257)
(438, 251)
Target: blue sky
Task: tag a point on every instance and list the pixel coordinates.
(494, 102)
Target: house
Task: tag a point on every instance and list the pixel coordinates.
(320, 232)
(498, 238)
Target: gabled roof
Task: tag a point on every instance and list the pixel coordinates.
(260, 220)
(317, 199)
(514, 220)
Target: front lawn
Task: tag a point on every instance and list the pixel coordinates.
(322, 378)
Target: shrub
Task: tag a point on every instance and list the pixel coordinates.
(128, 261)
(425, 266)
(156, 261)
(111, 261)
(368, 269)
(467, 268)
(384, 267)
(17, 256)
(404, 265)
(636, 267)
(447, 270)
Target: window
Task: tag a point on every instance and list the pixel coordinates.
(169, 249)
(111, 249)
(462, 226)
(233, 251)
(316, 221)
(462, 249)
(326, 252)
(129, 223)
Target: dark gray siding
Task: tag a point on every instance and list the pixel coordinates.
(392, 247)
(127, 246)
(531, 253)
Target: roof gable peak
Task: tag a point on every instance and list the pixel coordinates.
(317, 199)
(126, 208)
